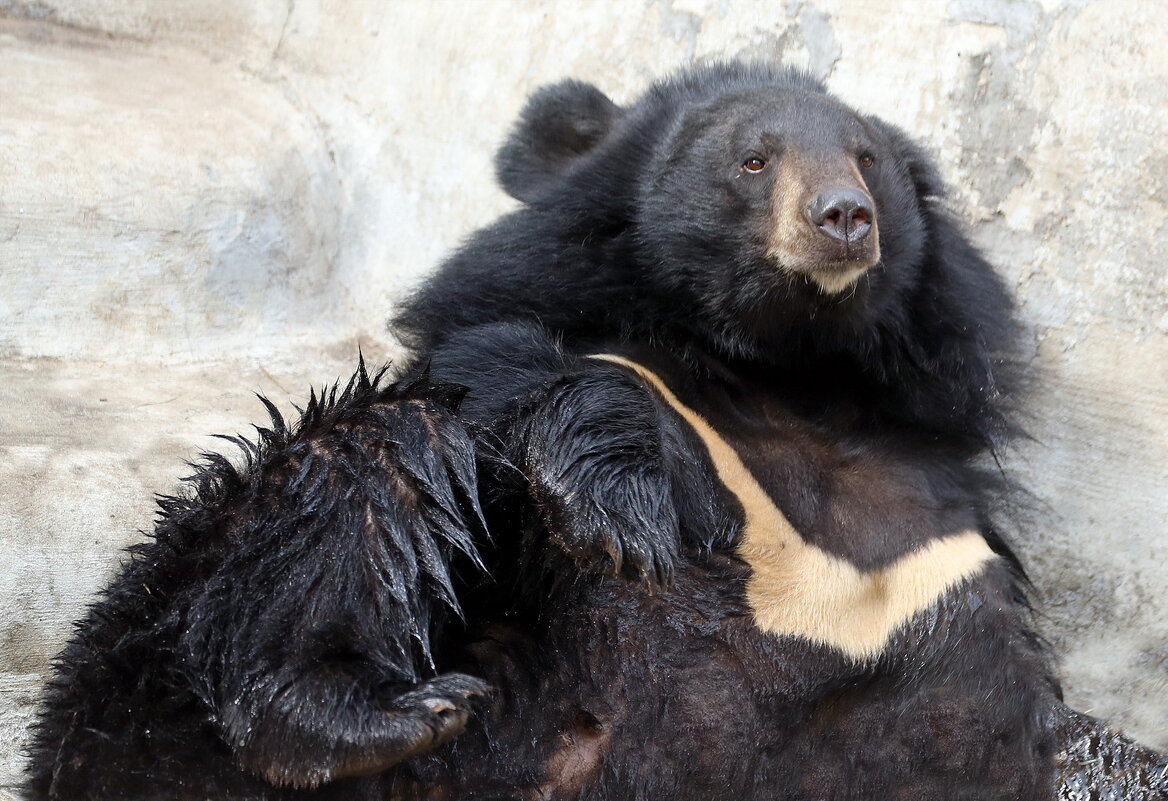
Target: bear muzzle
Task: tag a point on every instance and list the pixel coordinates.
(823, 224)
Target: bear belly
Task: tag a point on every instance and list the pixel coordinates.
(799, 588)
(678, 694)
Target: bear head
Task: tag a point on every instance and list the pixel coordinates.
(759, 202)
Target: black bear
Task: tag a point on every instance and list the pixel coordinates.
(682, 497)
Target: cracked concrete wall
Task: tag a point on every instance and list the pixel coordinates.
(205, 199)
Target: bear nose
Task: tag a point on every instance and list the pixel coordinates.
(843, 214)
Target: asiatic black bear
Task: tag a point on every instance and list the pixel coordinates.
(682, 497)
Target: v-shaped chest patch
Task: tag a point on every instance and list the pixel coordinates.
(800, 590)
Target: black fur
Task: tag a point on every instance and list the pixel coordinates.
(279, 612)
(536, 590)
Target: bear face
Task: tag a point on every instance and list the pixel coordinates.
(777, 206)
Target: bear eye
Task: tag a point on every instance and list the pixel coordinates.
(867, 160)
(754, 164)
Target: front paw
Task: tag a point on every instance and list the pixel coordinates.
(318, 744)
(591, 451)
(627, 522)
(427, 716)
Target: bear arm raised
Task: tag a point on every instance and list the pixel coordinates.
(311, 638)
(586, 438)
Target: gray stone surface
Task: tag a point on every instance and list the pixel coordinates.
(201, 200)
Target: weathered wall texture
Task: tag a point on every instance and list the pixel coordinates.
(204, 199)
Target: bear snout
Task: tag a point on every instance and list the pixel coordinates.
(823, 221)
(843, 214)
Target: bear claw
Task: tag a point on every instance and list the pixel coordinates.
(430, 715)
(421, 719)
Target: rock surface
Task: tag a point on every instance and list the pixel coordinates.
(203, 200)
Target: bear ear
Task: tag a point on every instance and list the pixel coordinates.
(559, 124)
(926, 180)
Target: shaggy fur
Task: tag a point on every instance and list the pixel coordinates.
(654, 413)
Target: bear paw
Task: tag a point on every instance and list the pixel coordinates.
(345, 743)
(429, 715)
(633, 528)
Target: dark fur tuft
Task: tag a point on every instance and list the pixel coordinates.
(279, 604)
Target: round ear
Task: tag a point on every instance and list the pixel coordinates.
(924, 175)
(559, 124)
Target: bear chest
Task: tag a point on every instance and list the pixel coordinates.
(848, 539)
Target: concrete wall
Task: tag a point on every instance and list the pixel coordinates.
(200, 200)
